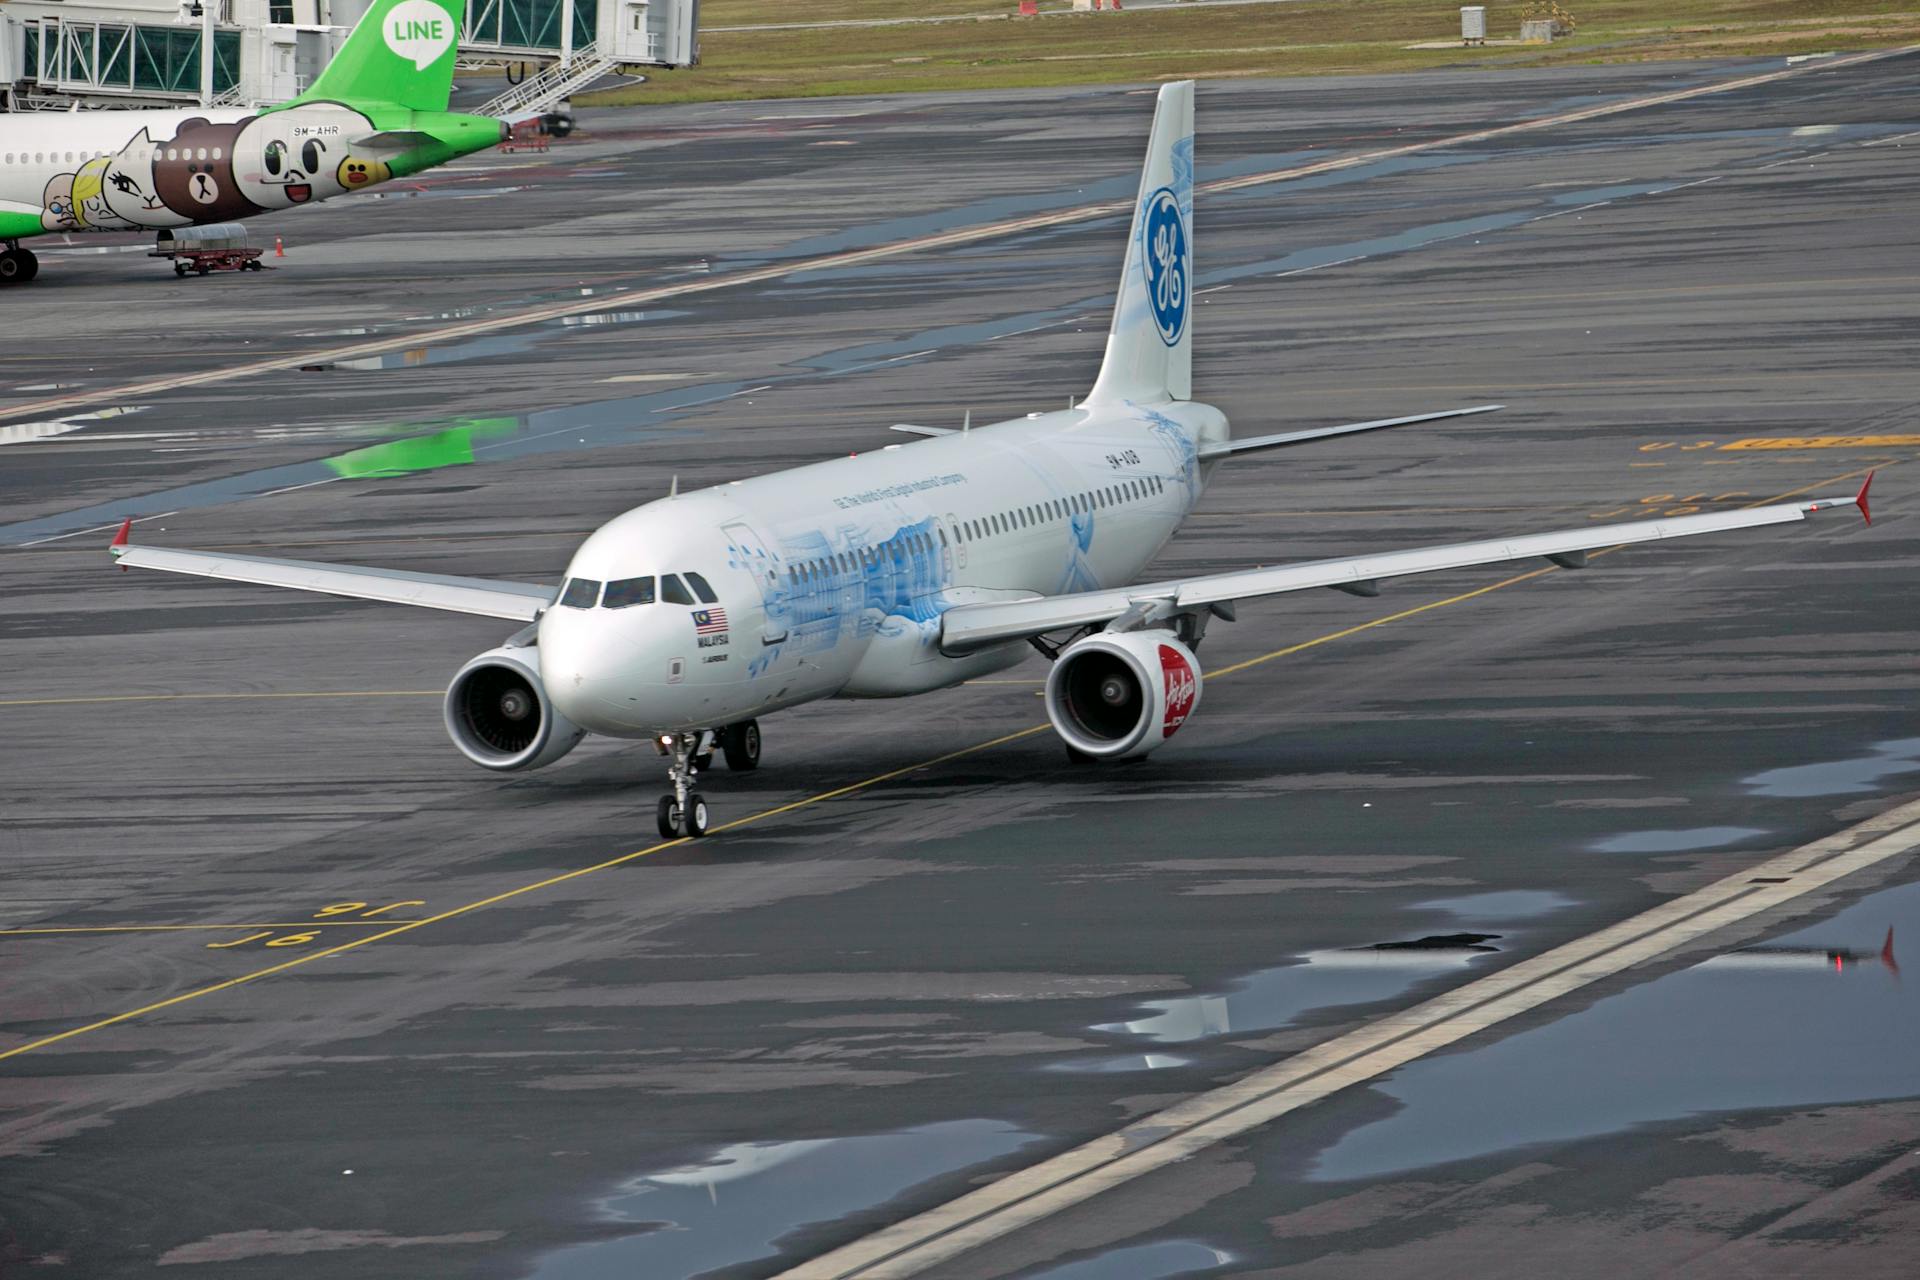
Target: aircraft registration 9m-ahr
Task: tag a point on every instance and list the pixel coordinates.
(378, 111)
(915, 567)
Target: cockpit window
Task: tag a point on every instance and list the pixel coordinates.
(580, 593)
(674, 591)
(629, 591)
(701, 589)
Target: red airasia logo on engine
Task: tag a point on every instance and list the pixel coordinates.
(1181, 688)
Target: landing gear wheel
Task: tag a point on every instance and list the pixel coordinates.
(13, 267)
(683, 811)
(33, 264)
(741, 743)
(180, 269)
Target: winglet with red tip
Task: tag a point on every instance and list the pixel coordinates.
(119, 542)
(1860, 499)
(1886, 953)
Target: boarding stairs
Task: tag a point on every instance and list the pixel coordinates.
(552, 86)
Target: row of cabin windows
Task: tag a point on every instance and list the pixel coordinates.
(1060, 508)
(812, 572)
(584, 593)
(81, 157)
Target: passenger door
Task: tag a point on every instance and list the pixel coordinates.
(748, 551)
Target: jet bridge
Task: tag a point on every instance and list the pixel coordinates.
(91, 53)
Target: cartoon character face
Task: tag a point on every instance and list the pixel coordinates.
(128, 187)
(58, 214)
(89, 197)
(357, 173)
(294, 157)
(193, 172)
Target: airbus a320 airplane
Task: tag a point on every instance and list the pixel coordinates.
(378, 111)
(915, 567)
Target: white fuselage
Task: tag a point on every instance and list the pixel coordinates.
(831, 579)
(42, 152)
(134, 170)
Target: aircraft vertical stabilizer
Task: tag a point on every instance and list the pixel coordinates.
(400, 52)
(1150, 346)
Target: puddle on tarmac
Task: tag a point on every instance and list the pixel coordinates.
(445, 353)
(1275, 997)
(28, 432)
(1840, 777)
(1501, 904)
(1113, 1066)
(1682, 841)
(1162, 1260)
(737, 1206)
(1814, 1017)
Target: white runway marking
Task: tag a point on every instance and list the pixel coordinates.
(1154, 1141)
(58, 405)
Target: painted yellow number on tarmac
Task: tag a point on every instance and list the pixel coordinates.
(358, 910)
(1823, 442)
(252, 937)
(1683, 505)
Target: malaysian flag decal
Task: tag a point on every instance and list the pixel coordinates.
(709, 622)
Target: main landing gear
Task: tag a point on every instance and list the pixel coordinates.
(683, 811)
(17, 265)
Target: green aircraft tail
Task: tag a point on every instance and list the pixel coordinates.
(400, 52)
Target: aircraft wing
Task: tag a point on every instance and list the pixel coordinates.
(974, 626)
(1253, 444)
(515, 601)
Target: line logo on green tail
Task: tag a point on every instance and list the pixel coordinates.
(419, 31)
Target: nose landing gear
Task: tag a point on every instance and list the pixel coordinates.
(683, 811)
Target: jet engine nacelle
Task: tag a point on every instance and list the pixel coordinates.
(498, 713)
(1119, 696)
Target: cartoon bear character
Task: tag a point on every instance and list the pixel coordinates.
(193, 172)
(128, 187)
(58, 213)
(357, 173)
(293, 157)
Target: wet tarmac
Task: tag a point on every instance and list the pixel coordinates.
(727, 1058)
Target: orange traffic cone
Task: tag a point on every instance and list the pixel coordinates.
(279, 251)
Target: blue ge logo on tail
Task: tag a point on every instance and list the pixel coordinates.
(1164, 241)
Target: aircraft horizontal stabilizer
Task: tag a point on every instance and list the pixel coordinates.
(392, 142)
(515, 601)
(1253, 444)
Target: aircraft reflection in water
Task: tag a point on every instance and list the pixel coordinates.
(1316, 980)
(1807, 958)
